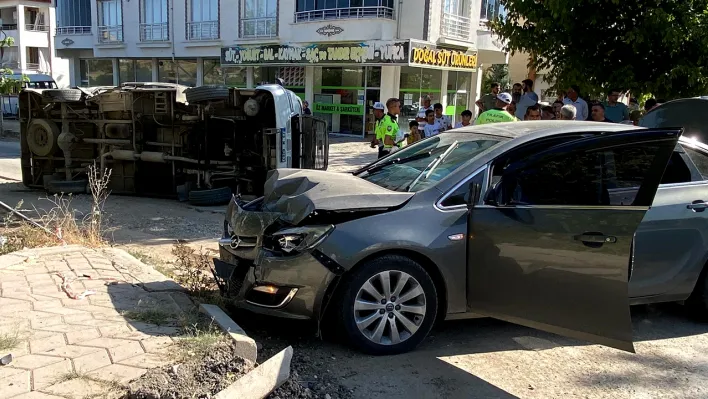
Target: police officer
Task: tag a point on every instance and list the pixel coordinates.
(499, 113)
(389, 126)
(378, 140)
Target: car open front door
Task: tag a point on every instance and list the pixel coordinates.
(549, 247)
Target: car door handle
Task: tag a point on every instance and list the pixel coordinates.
(595, 238)
(697, 206)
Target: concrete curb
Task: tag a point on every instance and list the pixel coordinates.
(145, 276)
(245, 345)
(262, 380)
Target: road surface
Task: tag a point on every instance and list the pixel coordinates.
(10, 160)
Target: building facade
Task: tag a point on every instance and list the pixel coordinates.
(30, 24)
(340, 55)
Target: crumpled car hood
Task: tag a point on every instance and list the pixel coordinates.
(296, 193)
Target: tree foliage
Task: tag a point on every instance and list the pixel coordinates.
(658, 47)
(496, 73)
(8, 82)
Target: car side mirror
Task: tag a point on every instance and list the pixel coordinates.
(475, 190)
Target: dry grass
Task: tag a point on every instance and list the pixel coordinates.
(192, 270)
(8, 341)
(199, 334)
(107, 389)
(150, 316)
(60, 223)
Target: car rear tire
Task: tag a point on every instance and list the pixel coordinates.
(386, 325)
(206, 93)
(216, 196)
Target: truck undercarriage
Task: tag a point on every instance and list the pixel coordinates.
(165, 140)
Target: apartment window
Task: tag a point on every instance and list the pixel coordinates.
(35, 20)
(491, 9)
(73, 17)
(110, 21)
(154, 26)
(96, 72)
(260, 18)
(182, 72)
(203, 17)
(455, 22)
(314, 10)
(135, 70)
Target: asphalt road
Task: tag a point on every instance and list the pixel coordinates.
(10, 160)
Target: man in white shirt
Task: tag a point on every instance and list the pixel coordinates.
(444, 122)
(528, 99)
(581, 107)
(431, 127)
(420, 118)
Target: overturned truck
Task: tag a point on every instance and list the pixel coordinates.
(158, 139)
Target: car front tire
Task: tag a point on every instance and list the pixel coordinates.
(388, 305)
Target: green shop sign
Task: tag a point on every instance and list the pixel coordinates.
(344, 109)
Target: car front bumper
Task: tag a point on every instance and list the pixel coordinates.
(291, 287)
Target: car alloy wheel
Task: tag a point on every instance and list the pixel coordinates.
(390, 307)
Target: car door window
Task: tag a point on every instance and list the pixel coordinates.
(460, 196)
(604, 177)
(699, 159)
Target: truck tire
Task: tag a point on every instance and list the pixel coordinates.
(63, 95)
(67, 187)
(42, 137)
(206, 93)
(216, 196)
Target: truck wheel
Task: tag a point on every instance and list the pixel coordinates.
(206, 93)
(388, 305)
(63, 95)
(67, 187)
(42, 137)
(216, 196)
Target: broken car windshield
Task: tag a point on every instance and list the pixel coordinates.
(398, 174)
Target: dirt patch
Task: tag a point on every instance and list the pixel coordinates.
(200, 377)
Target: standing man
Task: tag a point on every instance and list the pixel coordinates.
(431, 128)
(598, 113)
(487, 101)
(499, 113)
(378, 132)
(466, 116)
(533, 113)
(528, 99)
(615, 111)
(389, 125)
(420, 118)
(443, 121)
(516, 92)
(306, 108)
(573, 98)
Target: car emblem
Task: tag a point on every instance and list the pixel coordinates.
(67, 42)
(235, 242)
(329, 30)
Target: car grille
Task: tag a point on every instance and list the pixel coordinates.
(229, 277)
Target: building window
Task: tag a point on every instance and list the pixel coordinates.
(96, 72)
(154, 25)
(203, 17)
(490, 10)
(260, 18)
(183, 72)
(458, 84)
(316, 10)
(455, 21)
(416, 83)
(214, 74)
(135, 70)
(110, 21)
(73, 17)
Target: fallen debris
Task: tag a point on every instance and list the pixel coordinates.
(5, 360)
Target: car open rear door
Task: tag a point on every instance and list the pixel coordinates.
(550, 248)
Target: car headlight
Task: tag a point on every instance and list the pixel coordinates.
(298, 239)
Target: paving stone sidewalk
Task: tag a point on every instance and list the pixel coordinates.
(69, 348)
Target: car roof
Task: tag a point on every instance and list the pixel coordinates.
(538, 129)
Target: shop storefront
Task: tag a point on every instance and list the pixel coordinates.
(342, 81)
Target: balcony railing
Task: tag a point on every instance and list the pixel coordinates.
(490, 10)
(10, 64)
(73, 30)
(30, 66)
(345, 13)
(204, 30)
(36, 28)
(154, 32)
(259, 27)
(110, 34)
(455, 26)
(8, 27)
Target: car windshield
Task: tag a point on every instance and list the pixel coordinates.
(425, 163)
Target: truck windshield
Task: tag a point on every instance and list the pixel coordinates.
(399, 171)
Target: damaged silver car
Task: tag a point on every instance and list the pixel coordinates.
(528, 222)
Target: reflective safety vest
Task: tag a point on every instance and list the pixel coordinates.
(494, 116)
(389, 127)
(379, 132)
